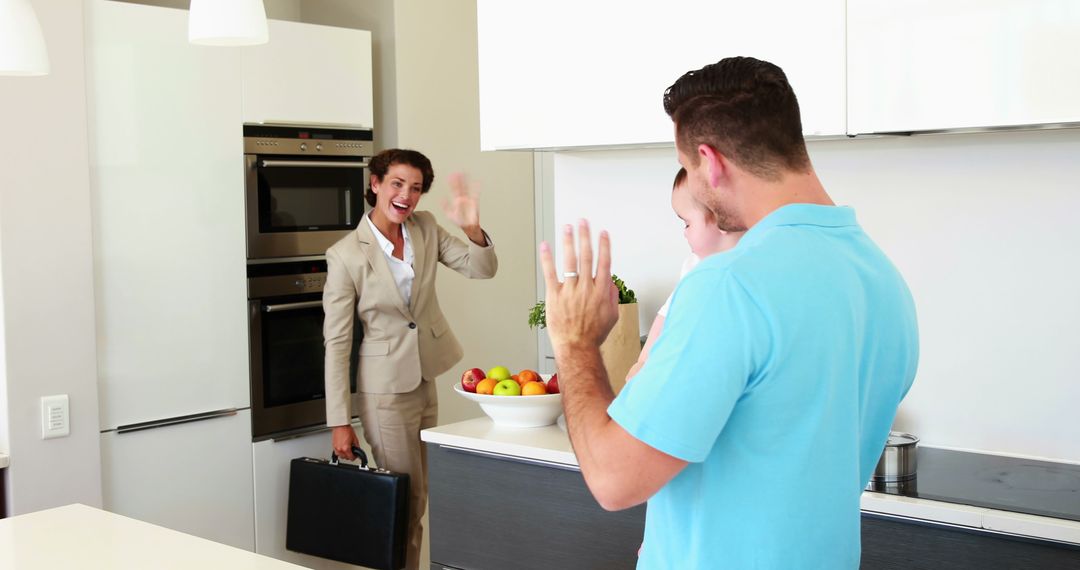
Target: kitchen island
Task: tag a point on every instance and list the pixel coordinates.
(78, 536)
(514, 497)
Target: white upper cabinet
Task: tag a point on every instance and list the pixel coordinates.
(934, 64)
(309, 74)
(566, 73)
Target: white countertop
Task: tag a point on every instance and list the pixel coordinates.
(552, 444)
(78, 536)
(4, 461)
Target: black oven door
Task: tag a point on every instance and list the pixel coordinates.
(287, 389)
(300, 207)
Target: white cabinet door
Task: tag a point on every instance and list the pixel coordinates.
(309, 74)
(933, 64)
(573, 74)
(167, 195)
(193, 477)
(272, 459)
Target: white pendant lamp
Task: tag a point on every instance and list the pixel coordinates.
(22, 46)
(227, 23)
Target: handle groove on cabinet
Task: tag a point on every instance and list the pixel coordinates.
(300, 432)
(176, 420)
(513, 458)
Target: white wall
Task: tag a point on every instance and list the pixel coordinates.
(45, 259)
(982, 227)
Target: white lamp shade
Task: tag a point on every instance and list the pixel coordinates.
(22, 46)
(227, 23)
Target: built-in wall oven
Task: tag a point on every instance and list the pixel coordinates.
(304, 187)
(286, 347)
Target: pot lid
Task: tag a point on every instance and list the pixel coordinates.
(900, 439)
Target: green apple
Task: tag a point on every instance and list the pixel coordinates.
(508, 387)
(499, 373)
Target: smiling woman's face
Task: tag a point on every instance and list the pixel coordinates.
(397, 195)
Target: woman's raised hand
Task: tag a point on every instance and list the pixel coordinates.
(462, 208)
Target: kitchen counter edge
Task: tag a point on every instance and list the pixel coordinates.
(551, 444)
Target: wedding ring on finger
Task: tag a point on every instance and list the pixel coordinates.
(569, 275)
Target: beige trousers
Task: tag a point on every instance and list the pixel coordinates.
(392, 424)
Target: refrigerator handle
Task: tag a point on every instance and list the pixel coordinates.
(129, 428)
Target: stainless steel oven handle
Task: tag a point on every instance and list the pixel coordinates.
(291, 306)
(313, 163)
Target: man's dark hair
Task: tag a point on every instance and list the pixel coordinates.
(380, 164)
(745, 109)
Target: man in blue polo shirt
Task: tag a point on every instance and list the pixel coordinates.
(759, 416)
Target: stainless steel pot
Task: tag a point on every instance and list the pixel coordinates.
(897, 461)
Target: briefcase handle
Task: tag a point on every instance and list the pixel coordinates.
(357, 452)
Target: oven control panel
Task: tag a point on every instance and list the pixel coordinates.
(280, 279)
(310, 283)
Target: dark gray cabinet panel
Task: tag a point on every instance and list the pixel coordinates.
(891, 544)
(499, 513)
(495, 513)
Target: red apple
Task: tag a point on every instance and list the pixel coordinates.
(471, 378)
(553, 384)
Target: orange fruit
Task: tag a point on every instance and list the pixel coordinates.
(486, 386)
(533, 388)
(526, 376)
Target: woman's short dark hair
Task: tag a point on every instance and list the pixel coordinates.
(380, 164)
(745, 109)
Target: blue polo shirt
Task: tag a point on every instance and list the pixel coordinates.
(777, 376)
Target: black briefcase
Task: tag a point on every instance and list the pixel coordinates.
(348, 513)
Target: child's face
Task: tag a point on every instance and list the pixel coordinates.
(701, 232)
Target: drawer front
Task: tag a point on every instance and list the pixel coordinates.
(894, 544)
(489, 512)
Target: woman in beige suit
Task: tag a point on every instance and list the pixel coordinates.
(383, 274)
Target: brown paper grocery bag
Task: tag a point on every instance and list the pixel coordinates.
(623, 345)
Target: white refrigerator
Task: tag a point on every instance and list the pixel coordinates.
(166, 158)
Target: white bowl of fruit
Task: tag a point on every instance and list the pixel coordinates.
(525, 399)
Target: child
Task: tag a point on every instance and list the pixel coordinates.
(704, 238)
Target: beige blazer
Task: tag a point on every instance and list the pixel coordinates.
(404, 340)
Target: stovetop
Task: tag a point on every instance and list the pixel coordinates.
(1004, 483)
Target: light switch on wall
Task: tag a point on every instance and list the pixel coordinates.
(55, 417)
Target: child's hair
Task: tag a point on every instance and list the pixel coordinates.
(680, 177)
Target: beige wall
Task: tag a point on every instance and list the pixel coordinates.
(427, 98)
(47, 272)
(439, 113)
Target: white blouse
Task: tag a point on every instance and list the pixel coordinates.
(401, 269)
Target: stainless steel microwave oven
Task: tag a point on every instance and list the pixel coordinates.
(304, 187)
